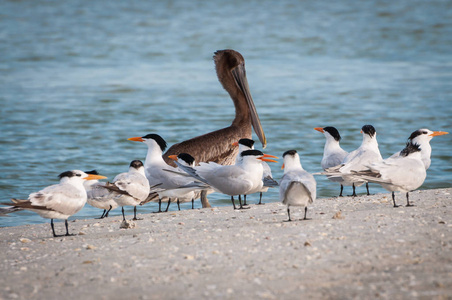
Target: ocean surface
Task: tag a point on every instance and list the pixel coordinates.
(78, 78)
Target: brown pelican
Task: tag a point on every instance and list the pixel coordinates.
(217, 146)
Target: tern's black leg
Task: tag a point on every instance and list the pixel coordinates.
(288, 213)
(178, 204)
(135, 214)
(393, 200)
(53, 228)
(233, 203)
(260, 200)
(103, 214)
(244, 201)
(305, 212)
(367, 187)
(106, 215)
(67, 228)
(193, 203)
(160, 206)
(354, 191)
(408, 200)
(240, 202)
(123, 216)
(342, 188)
(169, 202)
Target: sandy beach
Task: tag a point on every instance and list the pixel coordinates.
(351, 248)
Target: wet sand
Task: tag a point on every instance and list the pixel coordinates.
(351, 248)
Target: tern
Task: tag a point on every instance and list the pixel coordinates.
(248, 144)
(297, 187)
(359, 159)
(98, 196)
(403, 173)
(186, 164)
(155, 169)
(333, 154)
(234, 180)
(129, 188)
(59, 201)
(422, 137)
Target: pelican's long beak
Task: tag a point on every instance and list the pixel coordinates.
(436, 133)
(239, 74)
(320, 129)
(94, 177)
(173, 157)
(136, 139)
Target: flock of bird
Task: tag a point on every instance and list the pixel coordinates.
(226, 162)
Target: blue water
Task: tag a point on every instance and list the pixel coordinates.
(78, 78)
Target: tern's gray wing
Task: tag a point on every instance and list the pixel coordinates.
(269, 182)
(4, 211)
(191, 171)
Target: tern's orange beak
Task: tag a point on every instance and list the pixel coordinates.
(136, 139)
(282, 167)
(235, 144)
(94, 177)
(266, 159)
(173, 157)
(319, 129)
(436, 133)
(268, 155)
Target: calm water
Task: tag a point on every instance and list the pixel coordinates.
(77, 79)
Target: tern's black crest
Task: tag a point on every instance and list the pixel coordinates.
(417, 133)
(252, 152)
(334, 132)
(289, 152)
(67, 174)
(247, 142)
(158, 139)
(187, 158)
(136, 164)
(410, 148)
(369, 130)
(92, 172)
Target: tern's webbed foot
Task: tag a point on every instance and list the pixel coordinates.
(137, 219)
(410, 205)
(287, 220)
(241, 207)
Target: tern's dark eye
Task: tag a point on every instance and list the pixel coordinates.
(424, 132)
(79, 175)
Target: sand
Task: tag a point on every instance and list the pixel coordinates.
(351, 248)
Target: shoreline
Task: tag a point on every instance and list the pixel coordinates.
(351, 248)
